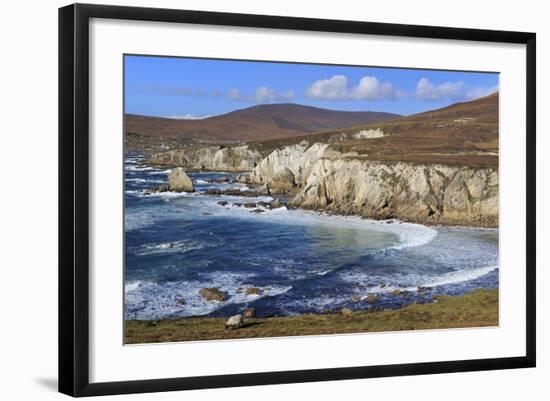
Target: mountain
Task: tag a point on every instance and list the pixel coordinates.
(255, 123)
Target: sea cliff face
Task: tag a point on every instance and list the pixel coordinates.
(283, 170)
(323, 179)
(214, 158)
(434, 194)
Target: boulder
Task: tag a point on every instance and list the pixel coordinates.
(162, 188)
(234, 322)
(372, 298)
(212, 294)
(219, 180)
(346, 311)
(253, 291)
(213, 192)
(179, 181)
(356, 298)
(276, 203)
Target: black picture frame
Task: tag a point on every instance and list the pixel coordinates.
(74, 201)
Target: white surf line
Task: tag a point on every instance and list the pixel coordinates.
(154, 300)
(409, 234)
(455, 277)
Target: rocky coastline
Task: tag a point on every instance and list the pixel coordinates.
(317, 176)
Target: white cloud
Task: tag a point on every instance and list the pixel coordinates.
(370, 88)
(334, 88)
(455, 91)
(263, 94)
(449, 90)
(188, 117)
(339, 88)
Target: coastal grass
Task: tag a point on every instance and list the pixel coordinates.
(476, 309)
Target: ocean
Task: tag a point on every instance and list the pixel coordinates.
(300, 261)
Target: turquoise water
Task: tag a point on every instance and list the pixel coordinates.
(302, 261)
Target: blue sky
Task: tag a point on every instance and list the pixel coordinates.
(195, 88)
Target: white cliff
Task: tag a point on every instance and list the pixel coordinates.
(435, 193)
(321, 178)
(284, 169)
(214, 158)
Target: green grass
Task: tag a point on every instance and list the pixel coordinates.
(476, 309)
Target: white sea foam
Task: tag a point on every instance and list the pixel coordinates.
(136, 180)
(144, 180)
(150, 300)
(159, 172)
(415, 281)
(138, 168)
(181, 246)
(459, 276)
(137, 218)
(332, 300)
(166, 194)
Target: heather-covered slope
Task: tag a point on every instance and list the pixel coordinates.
(254, 123)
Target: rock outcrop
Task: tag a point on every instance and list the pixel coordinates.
(369, 134)
(284, 169)
(434, 193)
(214, 158)
(321, 178)
(179, 181)
(235, 322)
(212, 294)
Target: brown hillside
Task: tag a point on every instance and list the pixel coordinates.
(463, 133)
(252, 124)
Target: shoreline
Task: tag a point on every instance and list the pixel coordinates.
(331, 212)
(478, 308)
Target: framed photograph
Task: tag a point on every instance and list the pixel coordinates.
(250, 199)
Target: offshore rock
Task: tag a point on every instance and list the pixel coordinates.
(179, 181)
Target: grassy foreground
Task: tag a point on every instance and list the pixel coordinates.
(476, 309)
